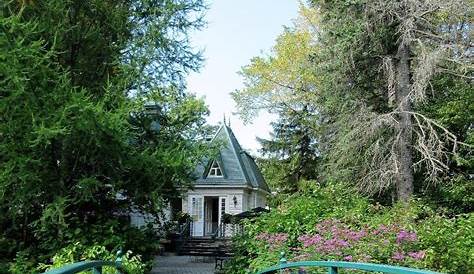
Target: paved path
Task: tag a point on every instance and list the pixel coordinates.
(183, 265)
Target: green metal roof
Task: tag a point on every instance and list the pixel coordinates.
(238, 166)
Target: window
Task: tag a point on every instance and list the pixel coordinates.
(222, 207)
(223, 202)
(215, 170)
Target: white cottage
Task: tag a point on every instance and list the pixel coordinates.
(231, 183)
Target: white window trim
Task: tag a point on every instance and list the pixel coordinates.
(214, 170)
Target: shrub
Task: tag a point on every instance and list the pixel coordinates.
(110, 235)
(335, 223)
(76, 252)
(448, 242)
(22, 264)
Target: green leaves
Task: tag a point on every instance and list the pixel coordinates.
(74, 134)
(333, 223)
(284, 83)
(76, 252)
(283, 79)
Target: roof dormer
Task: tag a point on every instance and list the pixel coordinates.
(215, 170)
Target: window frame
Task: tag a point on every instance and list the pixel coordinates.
(214, 170)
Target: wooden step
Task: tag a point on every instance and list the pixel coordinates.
(205, 246)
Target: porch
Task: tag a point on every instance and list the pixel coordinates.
(207, 215)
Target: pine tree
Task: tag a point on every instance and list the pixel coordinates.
(75, 76)
(294, 148)
(377, 63)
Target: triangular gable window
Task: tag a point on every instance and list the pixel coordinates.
(215, 170)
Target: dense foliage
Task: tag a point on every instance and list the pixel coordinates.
(291, 154)
(383, 91)
(374, 98)
(76, 252)
(94, 121)
(332, 223)
(389, 124)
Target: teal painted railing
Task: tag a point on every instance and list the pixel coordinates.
(95, 266)
(334, 266)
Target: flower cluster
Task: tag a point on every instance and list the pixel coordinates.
(309, 240)
(335, 240)
(406, 236)
(273, 240)
(400, 255)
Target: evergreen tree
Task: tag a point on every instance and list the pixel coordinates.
(371, 70)
(377, 67)
(76, 150)
(283, 83)
(294, 148)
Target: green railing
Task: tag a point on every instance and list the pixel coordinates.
(95, 266)
(334, 266)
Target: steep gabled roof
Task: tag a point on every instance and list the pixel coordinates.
(256, 177)
(238, 167)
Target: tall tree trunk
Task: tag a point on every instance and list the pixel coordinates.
(405, 154)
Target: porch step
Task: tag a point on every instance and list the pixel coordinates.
(206, 247)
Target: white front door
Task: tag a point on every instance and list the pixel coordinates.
(196, 207)
(208, 216)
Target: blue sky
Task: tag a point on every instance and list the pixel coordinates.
(237, 31)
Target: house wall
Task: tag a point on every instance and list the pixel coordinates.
(250, 197)
(228, 193)
(140, 219)
(247, 199)
(261, 199)
(255, 199)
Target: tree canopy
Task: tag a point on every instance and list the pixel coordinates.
(367, 77)
(94, 118)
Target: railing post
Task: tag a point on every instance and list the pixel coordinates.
(332, 270)
(118, 261)
(283, 260)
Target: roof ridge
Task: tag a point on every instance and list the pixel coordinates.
(232, 137)
(217, 133)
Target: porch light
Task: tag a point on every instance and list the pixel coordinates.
(235, 201)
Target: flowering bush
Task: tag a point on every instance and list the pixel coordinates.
(273, 240)
(335, 240)
(334, 223)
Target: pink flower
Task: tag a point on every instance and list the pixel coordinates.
(398, 256)
(382, 229)
(274, 240)
(309, 240)
(419, 255)
(406, 236)
(356, 235)
(348, 258)
(262, 236)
